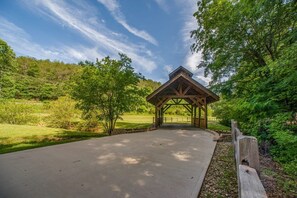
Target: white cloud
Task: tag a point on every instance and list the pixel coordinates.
(106, 42)
(22, 44)
(163, 5)
(114, 8)
(168, 69)
(191, 60)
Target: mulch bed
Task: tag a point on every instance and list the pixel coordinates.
(221, 179)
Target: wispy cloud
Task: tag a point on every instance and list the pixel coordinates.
(114, 7)
(192, 59)
(22, 44)
(168, 69)
(107, 42)
(163, 5)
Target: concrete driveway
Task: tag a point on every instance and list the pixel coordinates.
(162, 163)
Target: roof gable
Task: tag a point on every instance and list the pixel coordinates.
(182, 82)
(179, 70)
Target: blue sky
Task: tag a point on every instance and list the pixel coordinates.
(154, 33)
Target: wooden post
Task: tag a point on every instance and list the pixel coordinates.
(250, 183)
(195, 115)
(234, 126)
(162, 115)
(159, 112)
(248, 153)
(199, 118)
(192, 119)
(205, 117)
(156, 117)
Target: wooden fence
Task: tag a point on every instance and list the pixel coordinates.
(247, 164)
(182, 119)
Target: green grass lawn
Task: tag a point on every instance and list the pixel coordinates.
(135, 121)
(21, 137)
(215, 126)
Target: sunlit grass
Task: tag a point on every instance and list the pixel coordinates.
(214, 125)
(21, 137)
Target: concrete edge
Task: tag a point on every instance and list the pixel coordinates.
(212, 132)
(196, 191)
(131, 131)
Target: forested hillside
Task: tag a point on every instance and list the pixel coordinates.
(29, 78)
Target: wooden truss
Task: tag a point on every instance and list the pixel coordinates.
(182, 90)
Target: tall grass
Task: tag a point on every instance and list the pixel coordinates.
(14, 112)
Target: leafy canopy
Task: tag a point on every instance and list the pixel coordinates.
(109, 86)
(249, 47)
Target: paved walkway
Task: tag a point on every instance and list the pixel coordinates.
(161, 163)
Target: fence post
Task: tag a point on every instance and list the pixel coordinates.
(247, 164)
(234, 126)
(248, 153)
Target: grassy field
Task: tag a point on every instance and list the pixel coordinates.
(214, 125)
(21, 137)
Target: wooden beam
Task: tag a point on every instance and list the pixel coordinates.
(175, 91)
(166, 107)
(196, 103)
(186, 90)
(250, 183)
(180, 88)
(188, 107)
(164, 102)
(182, 97)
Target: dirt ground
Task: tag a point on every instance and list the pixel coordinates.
(221, 179)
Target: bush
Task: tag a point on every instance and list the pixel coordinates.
(90, 122)
(13, 112)
(284, 145)
(63, 113)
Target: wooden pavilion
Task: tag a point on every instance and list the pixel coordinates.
(182, 89)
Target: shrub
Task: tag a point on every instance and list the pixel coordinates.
(13, 112)
(63, 112)
(284, 144)
(90, 122)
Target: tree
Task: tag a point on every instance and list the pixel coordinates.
(250, 49)
(7, 65)
(242, 36)
(109, 86)
(7, 58)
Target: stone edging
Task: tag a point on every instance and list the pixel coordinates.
(127, 131)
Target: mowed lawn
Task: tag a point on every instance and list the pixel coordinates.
(21, 137)
(133, 121)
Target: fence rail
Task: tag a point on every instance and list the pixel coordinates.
(182, 119)
(247, 164)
